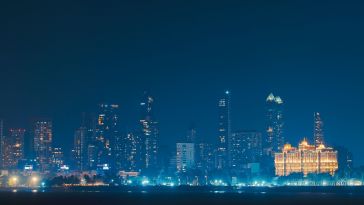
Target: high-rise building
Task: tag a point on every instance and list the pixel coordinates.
(13, 146)
(43, 136)
(274, 140)
(223, 146)
(132, 147)
(185, 158)
(205, 157)
(150, 132)
(80, 146)
(106, 137)
(345, 159)
(57, 158)
(246, 148)
(306, 159)
(318, 130)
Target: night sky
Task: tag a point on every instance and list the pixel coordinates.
(59, 59)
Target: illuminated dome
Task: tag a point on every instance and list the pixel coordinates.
(287, 147)
(304, 142)
(321, 146)
(279, 100)
(270, 97)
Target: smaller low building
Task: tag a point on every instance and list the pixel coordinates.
(306, 159)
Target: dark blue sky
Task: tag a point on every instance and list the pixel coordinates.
(60, 59)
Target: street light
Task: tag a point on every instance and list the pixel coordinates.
(13, 181)
(34, 181)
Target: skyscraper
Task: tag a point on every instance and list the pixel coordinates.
(246, 148)
(204, 157)
(107, 134)
(132, 147)
(318, 130)
(43, 136)
(80, 146)
(185, 158)
(224, 133)
(274, 141)
(13, 145)
(150, 132)
(57, 158)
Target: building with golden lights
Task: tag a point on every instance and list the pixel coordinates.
(306, 159)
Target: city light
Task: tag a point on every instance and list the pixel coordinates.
(14, 181)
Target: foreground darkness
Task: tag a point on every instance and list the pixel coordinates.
(276, 196)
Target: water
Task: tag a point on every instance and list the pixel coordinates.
(185, 196)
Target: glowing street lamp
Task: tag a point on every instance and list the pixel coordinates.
(13, 181)
(33, 181)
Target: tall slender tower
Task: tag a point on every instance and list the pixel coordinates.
(80, 148)
(274, 141)
(43, 137)
(223, 146)
(318, 130)
(107, 133)
(150, 132)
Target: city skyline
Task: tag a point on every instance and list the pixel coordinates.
(100, 140)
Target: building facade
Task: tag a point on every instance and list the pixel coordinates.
(318, 130)
(185, 158)
(57, 158)
(306, 159)
(132, 158)
(150, 133)
(274, 140)
(80, 148)
(43, 137)
(223, 146)
(13, 148)
(246, 148)
(106, 136)
(205, 157)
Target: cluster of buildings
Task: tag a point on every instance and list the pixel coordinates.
(100, 147)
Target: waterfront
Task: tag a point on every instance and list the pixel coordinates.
(185, 195)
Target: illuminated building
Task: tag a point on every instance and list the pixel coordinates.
(205, 157)
(246, 148)
(132, 153)
(185, 158)
(43, 136)
(80, 148)
(92, 156)
(274, 140)
(57, 158)
(13, 146)
(306, 159)
(224, 133)
(107, 134)
(150, 132)
(318, 130)
(345, 159)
